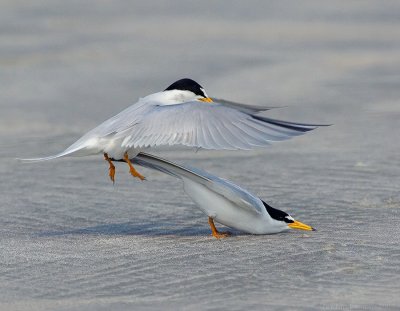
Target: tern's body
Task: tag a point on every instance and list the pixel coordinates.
(227, 210)
(224, 201)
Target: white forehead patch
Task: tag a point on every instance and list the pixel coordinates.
(204, 92)
(289, 217)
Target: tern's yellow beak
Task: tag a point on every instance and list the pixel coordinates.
(299, 225)
(206, 99)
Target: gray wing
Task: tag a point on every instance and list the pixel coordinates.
(242, 107)
(204, 125)
(219, 125)
(225, 188)
(231, 191)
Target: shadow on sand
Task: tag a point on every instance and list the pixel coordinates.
(139, 229)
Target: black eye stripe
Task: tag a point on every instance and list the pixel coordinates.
(289, 221)
(277, 214)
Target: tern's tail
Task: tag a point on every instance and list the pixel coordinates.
(214, 184)
(67, 152)
(170, 168)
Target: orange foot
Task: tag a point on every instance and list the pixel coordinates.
(111, 170)
(132, 170)
(215, 233)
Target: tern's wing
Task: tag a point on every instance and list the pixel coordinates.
(227, 189)
(225, 125)
(241, 107)
(206, 125)
(232, 192)
(91, 140)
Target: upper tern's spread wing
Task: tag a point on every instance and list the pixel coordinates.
(217, 125)
(198, 124)
(242, 107)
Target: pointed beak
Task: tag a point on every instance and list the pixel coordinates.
(299, 225)
(206, 99)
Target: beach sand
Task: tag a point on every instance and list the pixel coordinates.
(71, 240)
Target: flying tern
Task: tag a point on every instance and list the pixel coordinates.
(182, 114)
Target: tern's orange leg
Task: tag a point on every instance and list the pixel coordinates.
(111, 170)
(132, 170)
(215, 232)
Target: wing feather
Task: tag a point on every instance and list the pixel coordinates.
(239, 196)
(242, 107)
(219, 125)
(208, 126)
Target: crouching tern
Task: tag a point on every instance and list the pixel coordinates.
(182, 114)
(223, 201)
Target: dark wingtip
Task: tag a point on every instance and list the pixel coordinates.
(317, 126)
(299, 127)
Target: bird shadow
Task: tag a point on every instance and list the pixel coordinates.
(138, 229)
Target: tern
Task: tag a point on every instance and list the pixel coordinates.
(223, 201)
(182, 114)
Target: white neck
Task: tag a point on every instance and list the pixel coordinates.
(172, 97)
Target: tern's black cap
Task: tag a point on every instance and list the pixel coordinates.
(277, 214)
(187, 85)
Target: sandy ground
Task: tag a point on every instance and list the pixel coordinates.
(71, 240)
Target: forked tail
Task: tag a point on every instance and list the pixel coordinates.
(168, 167)
(67, 152)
